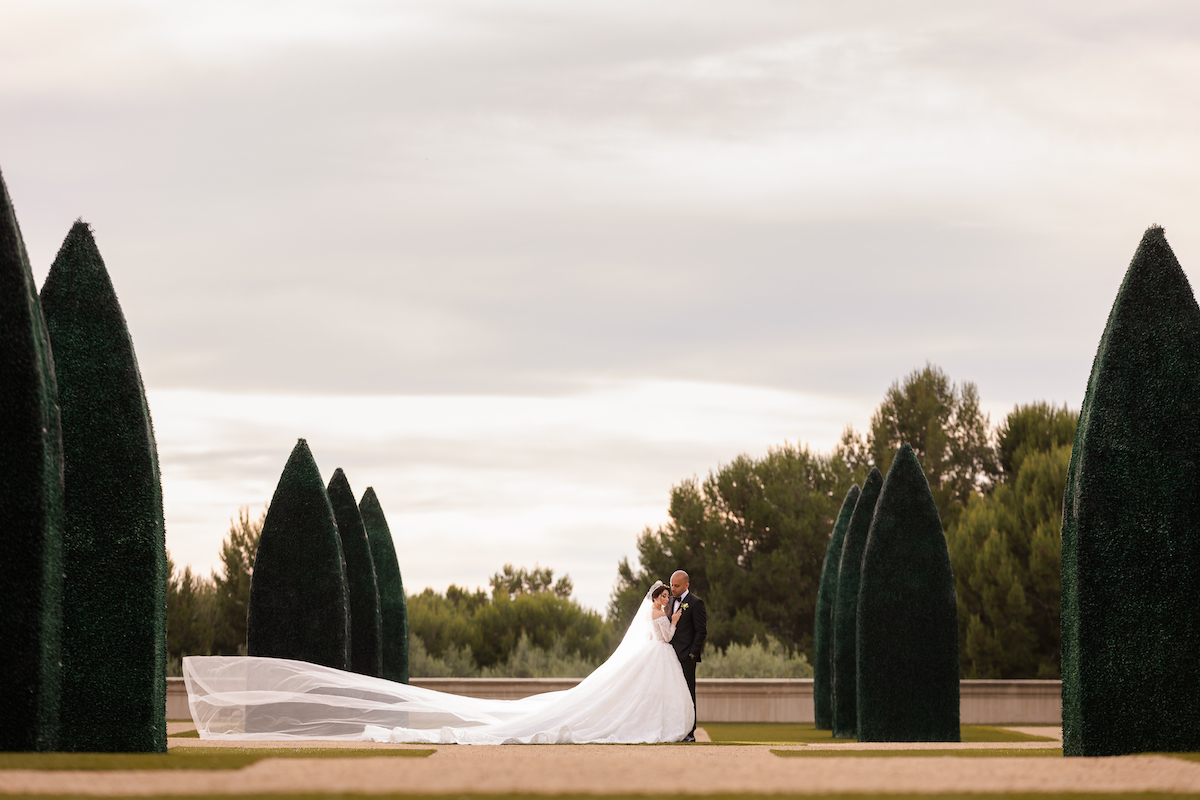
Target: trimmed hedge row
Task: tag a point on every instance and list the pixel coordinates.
(393, 606)
(1130, 550)
(366, 656)
(907, 617)
(114, 539)
(823, 624)
(84, 573)
(31, 461)
(326, 585)
(299, 601)
(845, 610)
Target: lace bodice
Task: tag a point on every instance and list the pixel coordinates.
(662, 628)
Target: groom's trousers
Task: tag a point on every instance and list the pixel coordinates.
(689, 676)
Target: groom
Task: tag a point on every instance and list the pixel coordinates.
(690, 633)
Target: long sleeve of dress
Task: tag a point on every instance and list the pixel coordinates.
(664, 627)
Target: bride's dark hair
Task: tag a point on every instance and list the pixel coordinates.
(658, 591)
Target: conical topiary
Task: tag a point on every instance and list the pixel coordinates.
(823, 624)
(907, 617)
(114, 539)
(299, 604)
(365, 626)
(393, 606)
(845, 610)
(1130, 545)
(30, 506)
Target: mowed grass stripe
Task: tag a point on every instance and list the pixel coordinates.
(214, 759)
(513, 796)
(806, 733)
(999, 752)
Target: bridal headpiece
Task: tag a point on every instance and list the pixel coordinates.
(654, 588)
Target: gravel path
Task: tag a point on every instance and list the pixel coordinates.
(599, 769)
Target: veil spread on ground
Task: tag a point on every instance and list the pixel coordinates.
(637, 695)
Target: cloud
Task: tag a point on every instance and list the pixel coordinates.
(531, 198)
(472, 482)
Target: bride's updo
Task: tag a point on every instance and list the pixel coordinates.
(657, 592)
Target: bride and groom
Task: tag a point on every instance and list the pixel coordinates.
(644, 692)
(685, 629)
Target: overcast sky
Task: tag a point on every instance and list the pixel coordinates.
(524, 265)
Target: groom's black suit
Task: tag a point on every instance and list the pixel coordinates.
(688, 641)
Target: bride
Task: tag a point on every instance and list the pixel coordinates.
(638, 695)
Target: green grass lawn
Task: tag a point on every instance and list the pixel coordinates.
(1184, 756)
(1000, 752)
(954, 796)
(806, 733)
(989, 733)
(181, 758)
(768, 732)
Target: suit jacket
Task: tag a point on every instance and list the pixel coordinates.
(691, 630)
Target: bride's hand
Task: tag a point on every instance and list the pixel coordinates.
(675, 617)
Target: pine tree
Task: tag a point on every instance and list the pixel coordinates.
(30, 506)
(231, 586)
(1130, 549)
(845, 610)
(393, 606)
(299, 603)
(114, 538)
(823, 624)
(907, 629)
(365, 626)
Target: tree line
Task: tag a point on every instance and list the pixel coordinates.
(529, 627)
(753, 533)
(484, 630)
(207, 615)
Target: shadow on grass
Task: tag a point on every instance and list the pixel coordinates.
(225, 758)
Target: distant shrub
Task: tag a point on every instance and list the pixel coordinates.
(523, 602)
(755, 660)
(529, 661)
(455, 662)
(526, 660)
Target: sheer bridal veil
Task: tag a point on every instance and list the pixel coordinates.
(248, 697)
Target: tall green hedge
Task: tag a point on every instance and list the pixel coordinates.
(30, 506)
(845, 610)
(114, 539)
(1130, 542)
(299, 603)
(823, 624)
(366, 652)
(393, 606)
(907, 617)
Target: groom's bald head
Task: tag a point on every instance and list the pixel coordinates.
(679, 582)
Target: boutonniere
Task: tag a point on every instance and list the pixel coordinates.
(684, 606)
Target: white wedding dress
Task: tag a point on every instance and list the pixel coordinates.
(638, 695)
